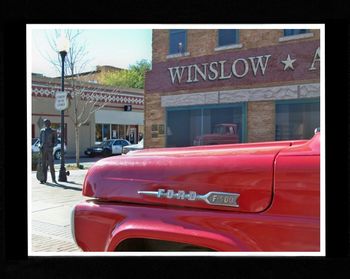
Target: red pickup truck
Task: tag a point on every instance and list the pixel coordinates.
(233, 197)
(222, 134)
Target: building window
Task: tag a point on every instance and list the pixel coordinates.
(122, 131)
(177, 41)
(295, 34)
(103, 132)
(205, 125)
(228, 37)
(115, 134)
(106, 131)
(116, 131)
(98, 133)
(297, 120)
(292, 32)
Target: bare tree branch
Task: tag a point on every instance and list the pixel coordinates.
(76, 61)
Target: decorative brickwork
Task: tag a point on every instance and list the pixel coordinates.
(242, 95)
(97, 94)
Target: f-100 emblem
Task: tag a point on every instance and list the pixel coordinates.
(213, 198)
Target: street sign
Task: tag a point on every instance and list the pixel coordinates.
(61, 101)
(128, 108)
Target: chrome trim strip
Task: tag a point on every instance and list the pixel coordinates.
(212, 198)
(220, 198)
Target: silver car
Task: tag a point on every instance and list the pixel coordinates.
(133, 147)
(56, 149)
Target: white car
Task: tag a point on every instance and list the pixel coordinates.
(107, 148)
(133, 147)
(56, 149)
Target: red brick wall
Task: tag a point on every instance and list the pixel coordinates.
(201, 45)
(203, 41)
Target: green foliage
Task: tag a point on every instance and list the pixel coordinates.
(132, 78)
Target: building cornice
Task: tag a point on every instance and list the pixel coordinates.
(46, 81)
(99, 94)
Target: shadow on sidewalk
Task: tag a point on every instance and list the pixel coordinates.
(73, 182)
(64, 186)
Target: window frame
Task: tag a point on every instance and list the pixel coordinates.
(177, 31)
(294, 34)
(293, 102)
(284, 38)
(235, 45)
(237, 41)
(242, 105)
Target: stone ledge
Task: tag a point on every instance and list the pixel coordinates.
(190, 99)
(243, 95)
(234, 46)
(295, 37)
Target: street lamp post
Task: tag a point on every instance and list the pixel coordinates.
(63, 46)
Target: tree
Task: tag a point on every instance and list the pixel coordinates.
(83, 104)
(134, 77)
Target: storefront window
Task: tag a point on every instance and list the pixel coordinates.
(116, 131)
(297, 120)
(115, 134)
(106, 131)
(98, 132)
(205, 126)
(103, 132)
(121, 131)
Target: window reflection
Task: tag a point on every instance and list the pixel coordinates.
(204, 126)
(297, 120)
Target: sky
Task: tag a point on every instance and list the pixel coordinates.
(115, 45)
(106, 45)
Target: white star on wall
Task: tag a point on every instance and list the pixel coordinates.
(288, 63)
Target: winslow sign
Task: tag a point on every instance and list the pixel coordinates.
(238, 68)
(245, 67)
(216, 70)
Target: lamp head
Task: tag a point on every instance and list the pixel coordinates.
(62, 44)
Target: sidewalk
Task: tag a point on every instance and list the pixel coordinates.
(50, 209)
(57, 165)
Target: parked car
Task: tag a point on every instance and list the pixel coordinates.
(56, 149)
(222, 134)
(235, 197)
(133, 147)
(107, 148)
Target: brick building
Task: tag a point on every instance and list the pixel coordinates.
(112, 121)
(267, 82)
(96, 75)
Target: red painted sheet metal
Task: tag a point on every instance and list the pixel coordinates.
(103, 226)
(244, 169)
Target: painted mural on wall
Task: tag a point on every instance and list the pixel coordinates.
(281, 63)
